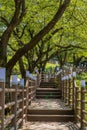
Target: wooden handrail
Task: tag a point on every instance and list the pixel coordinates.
(75, 97)
(17, 105)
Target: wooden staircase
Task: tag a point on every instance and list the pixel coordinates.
(49, 91)
(51, 115)
(48, 85)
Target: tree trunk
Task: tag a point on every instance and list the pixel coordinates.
(3, 55)
(22, 69)
(38, 37)
(16, 19)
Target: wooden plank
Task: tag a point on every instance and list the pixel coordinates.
(84, 111)
(51, 112)
(1, 90)
(9, 104)
(8, 120)
(8, 90)
(53, 118)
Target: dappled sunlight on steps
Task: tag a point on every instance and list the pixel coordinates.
(50, 126)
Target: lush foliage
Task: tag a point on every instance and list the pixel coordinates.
(66, 39)
(81, 76)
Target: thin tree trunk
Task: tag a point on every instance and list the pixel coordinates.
(22, 68)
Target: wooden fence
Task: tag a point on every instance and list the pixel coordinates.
(13, 112)
(45, 77)
(75, 97)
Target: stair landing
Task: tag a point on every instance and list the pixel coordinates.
(50, 126)
(47, 104)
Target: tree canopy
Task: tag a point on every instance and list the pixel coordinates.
(34, 31)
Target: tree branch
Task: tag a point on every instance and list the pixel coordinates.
(39, 36)
(12, 48)
(69, 46)
(15, 20)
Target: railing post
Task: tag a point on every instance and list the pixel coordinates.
(35, 87)
(60, 80)
(62, 85)
(82, 104)
(68, 91)
(14, 98)
(30, 91)
(32, 84)
(69, 87)
(76, 103)
(48, 76)
(64, 88)
(73, 94)
(22, 103)
(25, 107)
(38, 79)
(74, 77)
(42, 76)
(27, 96)
(2, 97)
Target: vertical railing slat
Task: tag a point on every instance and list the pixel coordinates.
(2, 104)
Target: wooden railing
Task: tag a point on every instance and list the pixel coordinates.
(45, 77)
(81, 105)
(13, 112)
(75, 97)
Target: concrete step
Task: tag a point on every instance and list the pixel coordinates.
(50, 118)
